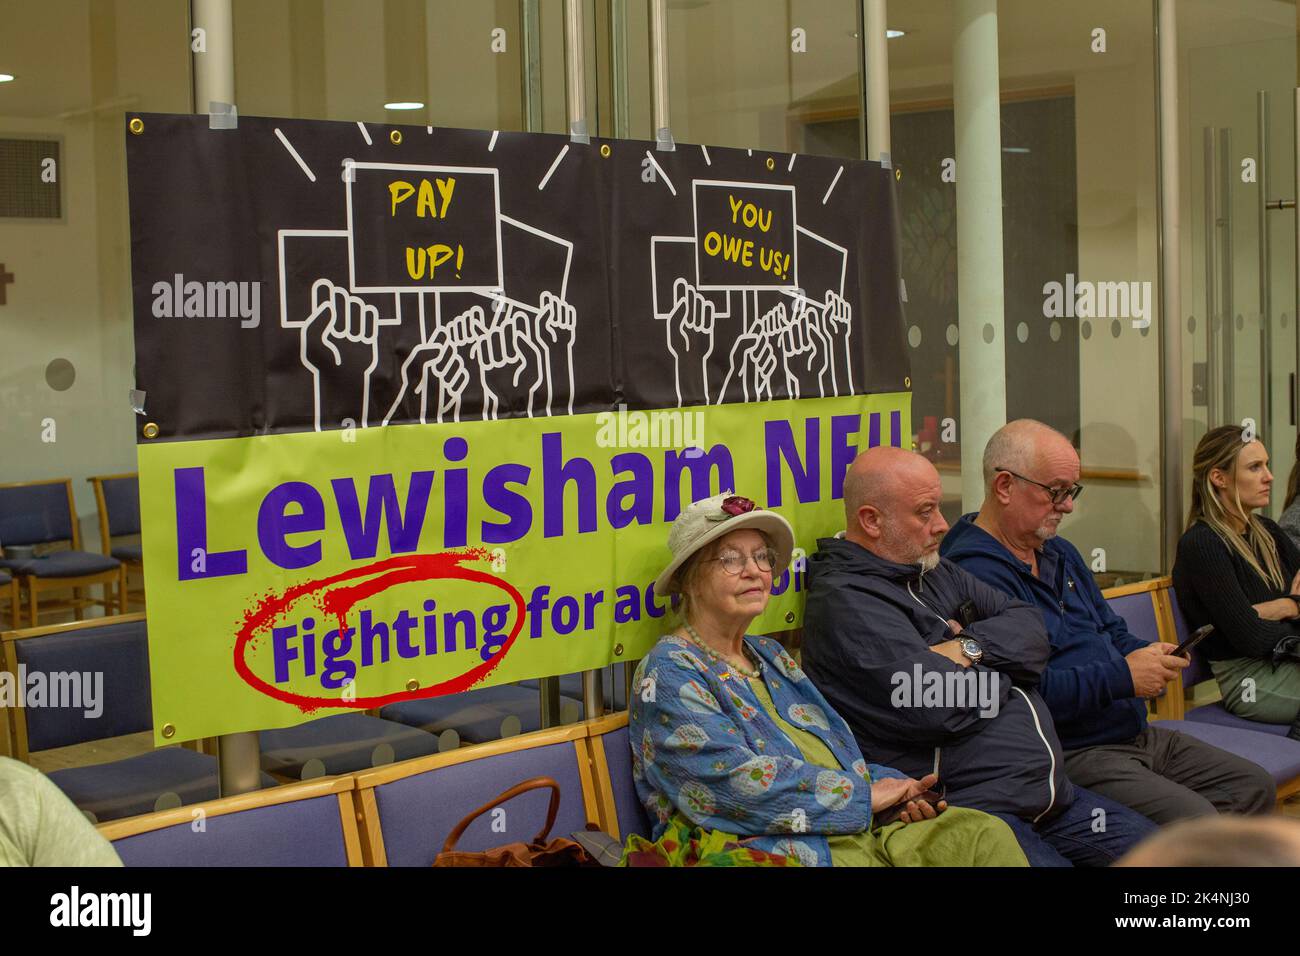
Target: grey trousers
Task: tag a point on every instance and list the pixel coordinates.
(1168, 776)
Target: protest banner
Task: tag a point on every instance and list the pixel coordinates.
(423, 402)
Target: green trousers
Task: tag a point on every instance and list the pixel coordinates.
(1255, 689)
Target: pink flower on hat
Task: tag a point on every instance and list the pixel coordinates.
(733, 507)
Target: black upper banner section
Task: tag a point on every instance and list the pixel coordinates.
(292, 275)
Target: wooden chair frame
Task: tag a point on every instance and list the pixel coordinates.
(101, 506)
(342, 786)
(600, 770)
(17, 717)
(372, 837)
(34, 585)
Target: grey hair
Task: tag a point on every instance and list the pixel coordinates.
(1014, 446)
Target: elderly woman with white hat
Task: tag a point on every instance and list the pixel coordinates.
(733, 747)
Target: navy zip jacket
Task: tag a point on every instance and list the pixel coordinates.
(868, 627)
(1087, 683)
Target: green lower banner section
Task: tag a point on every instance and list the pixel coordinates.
(295, 576)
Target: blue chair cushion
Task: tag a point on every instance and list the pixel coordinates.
(129, 553)
(35, 514)
(632, 817)
(477, 715)
(343, 743)
(126, 788)
(301, 833)
(5, 576)
(612, 685)
(122, 502)
(64, 564)
(1219, 716)
(417, 813)
(1139, 614)
(119, 651)
(1280, 756)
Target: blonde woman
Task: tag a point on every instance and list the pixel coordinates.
(1240, 572)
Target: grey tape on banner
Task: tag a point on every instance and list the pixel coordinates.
(222, 115)
(578, 132)
(902, 289)
(664, 140)
(885, 161)
(136, 397)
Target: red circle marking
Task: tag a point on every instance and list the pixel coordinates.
(390, 572)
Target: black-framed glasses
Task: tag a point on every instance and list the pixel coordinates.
(1056, 494)
(734, 563)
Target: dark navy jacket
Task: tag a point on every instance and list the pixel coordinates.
(1087, 683)
(869, 622)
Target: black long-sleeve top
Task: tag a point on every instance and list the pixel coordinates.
(1216, 586)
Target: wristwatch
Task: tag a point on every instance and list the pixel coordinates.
(972, 650)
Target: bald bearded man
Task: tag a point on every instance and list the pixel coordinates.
(935, 671)
(1099, 674)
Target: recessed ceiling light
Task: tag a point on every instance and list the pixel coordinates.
(894, 34)
(6, 77)
(403, 106)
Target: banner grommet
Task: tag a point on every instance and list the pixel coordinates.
(412, 684)
(136, 126)
(150, 430)
(396, 137)
(605, 150)
(169, 731)
(771, 163)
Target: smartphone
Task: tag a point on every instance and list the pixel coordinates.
(891, 814)
(1201, 634)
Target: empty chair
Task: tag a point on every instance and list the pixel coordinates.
(117, 499)
(9, 590)
(409, 809)
(479, 716)
(341, 743)
(103, 676)
(301, 824)
(40, 513)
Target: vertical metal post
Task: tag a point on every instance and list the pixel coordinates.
(593, 694)
(239, 760)
(874, 66)
(659, 76)
(1295, 410)
(977, 112)
(1212, 314)
(1226, 265)
(618, 66)
(530, 74)
(1263, 191)
(214, 69)
(1167, 239)
(575, 73)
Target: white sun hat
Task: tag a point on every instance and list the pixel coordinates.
(708, 519)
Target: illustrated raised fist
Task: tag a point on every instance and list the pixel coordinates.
(690, 337)
(340, 346)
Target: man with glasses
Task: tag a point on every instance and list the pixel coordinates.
(935, 671)
(1099, 674)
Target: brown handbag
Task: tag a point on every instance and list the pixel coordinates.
(558, 852)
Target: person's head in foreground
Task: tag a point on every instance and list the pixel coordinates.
(891, 506)
(737, 757)
(1230, 480)
(1221, 841)
(1031, 481)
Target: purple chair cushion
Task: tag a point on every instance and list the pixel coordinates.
(1219, 716)
(1199, 670)
(631, 814)
(302, 833)
(122, 502)
(129, 553)
(35, 514)
(344, 743)
(418, 812)
(1280, 756)
(1139, 613)
(64, 564)
(127, 788)
(477, 715)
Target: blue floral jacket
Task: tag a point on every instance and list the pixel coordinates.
(703, 744)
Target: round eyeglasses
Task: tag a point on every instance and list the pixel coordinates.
(734, 563)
